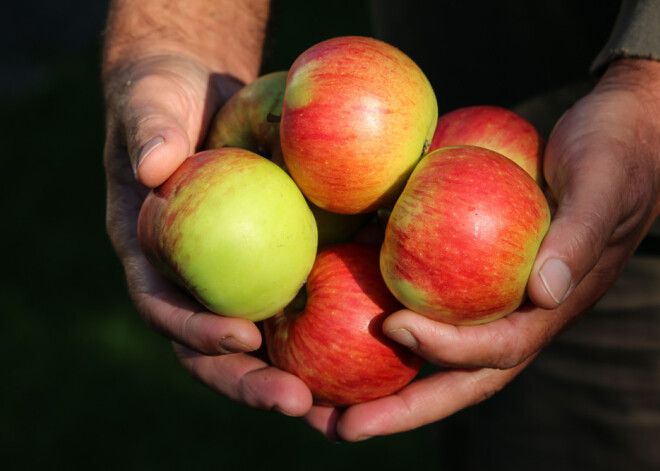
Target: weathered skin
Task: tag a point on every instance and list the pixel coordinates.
(357, 116)
(334, 342)
(233, 229)
(461, 240)
(494, 128)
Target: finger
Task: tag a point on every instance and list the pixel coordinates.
(175, 315)
(164, 306)
(160, 133)
(504, 343)
(248, 380)
(589, 192)
(422, 402)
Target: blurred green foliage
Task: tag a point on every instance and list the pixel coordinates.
(86, 384)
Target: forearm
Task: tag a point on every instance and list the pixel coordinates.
(225, 35)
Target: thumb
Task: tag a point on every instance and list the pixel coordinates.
(158, 142)
(160, 145)
(587, 215)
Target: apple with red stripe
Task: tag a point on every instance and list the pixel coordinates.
(358, 114)
(494, 128)
(461, 240)
(331, 335)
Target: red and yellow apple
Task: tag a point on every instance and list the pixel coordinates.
(357, 116)
(233, 229)
(494, 128)
(461, 240)
(331, 336)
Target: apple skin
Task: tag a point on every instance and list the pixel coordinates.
(233, 229)
(250, 118)
(494, 128)
(358, 114)
(335, 228)
(334, 342)
(461, 240)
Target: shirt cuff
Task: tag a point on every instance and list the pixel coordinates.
(636, 33)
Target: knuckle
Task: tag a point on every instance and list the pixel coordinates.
(509, 352)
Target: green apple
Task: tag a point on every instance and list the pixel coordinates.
(335, 228)
(250, 119)
(233, 229)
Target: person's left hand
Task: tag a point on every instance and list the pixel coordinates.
(602, 166)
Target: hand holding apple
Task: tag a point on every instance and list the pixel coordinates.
(233, 229)
(331, 336)
(240, 237)
(461, 240)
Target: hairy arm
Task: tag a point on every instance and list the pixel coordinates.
(224, 35)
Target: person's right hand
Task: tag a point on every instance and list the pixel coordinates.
(158, 108)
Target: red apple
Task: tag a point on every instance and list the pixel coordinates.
(494, 128)
(461, 240)
(331, 335)
(357, 116)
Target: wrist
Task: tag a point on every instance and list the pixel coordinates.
(642, 75)
(221, 35)
(641, 78)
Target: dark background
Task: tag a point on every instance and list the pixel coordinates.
(85, 384)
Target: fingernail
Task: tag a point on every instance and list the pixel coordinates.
(404, 337)
(556, 278)
(147, 148)
(229, 344)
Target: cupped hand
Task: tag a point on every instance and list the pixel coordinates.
(602, 166)
(158, 110)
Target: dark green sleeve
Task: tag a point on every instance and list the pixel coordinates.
(636, 33)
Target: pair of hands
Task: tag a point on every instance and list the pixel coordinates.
(602, 165)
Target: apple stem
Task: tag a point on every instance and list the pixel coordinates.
(383, 214)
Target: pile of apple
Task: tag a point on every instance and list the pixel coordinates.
(261, 225)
